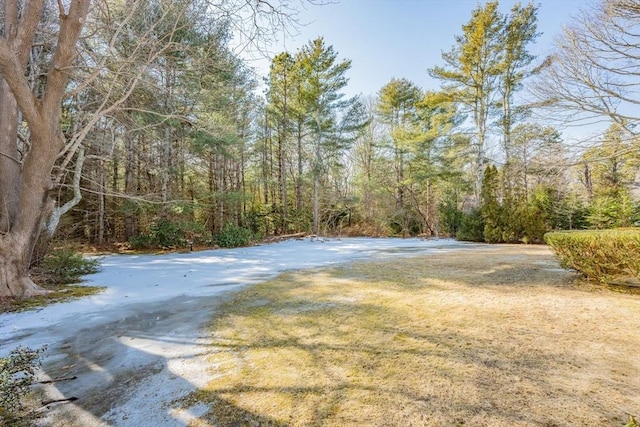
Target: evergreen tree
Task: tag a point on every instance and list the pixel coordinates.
(398, 108)
(471, 75)
(323, 78)
(611, 168)
(492, 213)
(520, 29)
(536, 158)
(282, 85)
(432, 165)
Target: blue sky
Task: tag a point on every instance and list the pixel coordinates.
(404, 38)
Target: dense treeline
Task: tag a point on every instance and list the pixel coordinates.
(193, 149)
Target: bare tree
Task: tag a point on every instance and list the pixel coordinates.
(24, 189)
(594, 73)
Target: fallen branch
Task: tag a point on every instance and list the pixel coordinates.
(55, 380)
(285, 237)
(49, 402)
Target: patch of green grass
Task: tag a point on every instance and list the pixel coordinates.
(60, 294)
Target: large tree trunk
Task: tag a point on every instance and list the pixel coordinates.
(316, 204)
(14, 271)
(42, 116)
(35, 205)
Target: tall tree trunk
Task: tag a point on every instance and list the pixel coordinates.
(221, 189)
(283, 163)
(9, 158)
(10, 176)
(316, 204)
(299, 178)
(129, 185)
(16, 246)
(282, 173)
(507, 123)
(480, 118)
(101, 204)
(212, 189)
(166, 169)
(243, 182)
(316, 178)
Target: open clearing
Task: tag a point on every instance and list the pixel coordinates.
(495, 337)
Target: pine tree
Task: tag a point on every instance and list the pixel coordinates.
(282, 86)
(612, 168)
(519, 31)
(492, 212)
(398, 108)
(323, 78)
(471, 75)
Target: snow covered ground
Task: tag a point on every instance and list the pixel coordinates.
(150, 320)
(131, 279)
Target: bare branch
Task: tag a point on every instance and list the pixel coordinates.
(596, 67)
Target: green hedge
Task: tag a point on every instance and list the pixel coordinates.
(603, 255)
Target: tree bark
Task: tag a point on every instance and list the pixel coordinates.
(9, 159)
(101, 203)
(56, 215)
(299, 177)
(14, 271)
(129, 185)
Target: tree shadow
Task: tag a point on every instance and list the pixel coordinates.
(492, 371)
(448, 374)
(132, 371)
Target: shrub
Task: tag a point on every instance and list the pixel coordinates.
(65, 265)
(233, 236)
(602, 255)
(471, 227)
(450, 217)
(141, 241)
(17, 371)
(405, 222)
(167, 234)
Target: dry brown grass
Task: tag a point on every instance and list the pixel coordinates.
(496, 337)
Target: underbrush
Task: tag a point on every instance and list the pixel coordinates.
(607, 256)
(65, 265)
(234, 236)
(58, 272)
(162, 234)
(17, 373)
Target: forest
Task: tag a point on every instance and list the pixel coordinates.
(135, 124)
